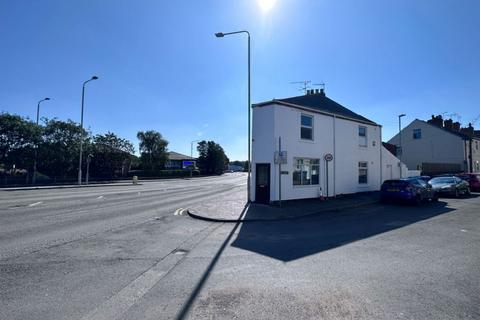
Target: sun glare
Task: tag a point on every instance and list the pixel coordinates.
(266, 5)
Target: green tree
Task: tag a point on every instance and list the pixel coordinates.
(59, 151)
(212, 158)
(18, 139)
(153, 150)
(111, 156)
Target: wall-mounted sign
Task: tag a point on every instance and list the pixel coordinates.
(280, 157)
(284, 172)
(328, 157)
(188, 164)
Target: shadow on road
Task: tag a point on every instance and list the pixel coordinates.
(294, 239)
(287, 240)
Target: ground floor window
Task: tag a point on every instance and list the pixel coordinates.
(306, 171)
(362, 172)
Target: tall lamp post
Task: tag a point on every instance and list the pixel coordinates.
(221, 35)
(34, 178)
(191, 155)
(81, 130)
(400, 140)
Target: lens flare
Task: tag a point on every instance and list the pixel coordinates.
(266, 5)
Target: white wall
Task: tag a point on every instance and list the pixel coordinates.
(435, 146)
(390, 166)
(274, 121)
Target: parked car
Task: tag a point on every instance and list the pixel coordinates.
(473, 180)
(412, 190)
(450, 186)
(424, 178)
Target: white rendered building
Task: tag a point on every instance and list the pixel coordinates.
(326, 150)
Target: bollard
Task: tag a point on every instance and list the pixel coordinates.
(135, 179)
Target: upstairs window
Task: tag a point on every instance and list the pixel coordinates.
(362, 136)
(417, 134)
(363, 172)
(306, 127)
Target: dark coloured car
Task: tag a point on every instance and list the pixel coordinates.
(473, 180)
(412, 190)
(450, 186)
(424, 178)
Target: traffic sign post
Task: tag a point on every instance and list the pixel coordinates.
(328, 157)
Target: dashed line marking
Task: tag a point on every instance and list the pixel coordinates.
(100, 197)
(35, 204)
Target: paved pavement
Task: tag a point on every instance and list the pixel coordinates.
(233, 207)
(115, 254)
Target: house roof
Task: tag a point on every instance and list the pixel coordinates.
(321, 103)
(178, 156)
(455, 133)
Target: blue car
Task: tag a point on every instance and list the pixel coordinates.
(411, 190)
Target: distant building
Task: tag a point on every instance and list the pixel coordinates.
(439, 146)
(178, 161)
(326, 150)
(235, 168)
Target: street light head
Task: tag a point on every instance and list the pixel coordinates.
(94, 78)
(219, 35)
(47, 99)
(402, 115)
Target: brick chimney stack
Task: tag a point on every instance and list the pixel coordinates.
(469, 131)
(436, 121)
(456, 126)
(448, 124)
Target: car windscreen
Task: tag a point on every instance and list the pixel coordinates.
(442, 180)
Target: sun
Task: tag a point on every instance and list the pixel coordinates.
(266, 5)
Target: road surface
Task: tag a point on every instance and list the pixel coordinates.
(127, 252)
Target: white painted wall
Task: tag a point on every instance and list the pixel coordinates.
(274, 121)
(390, 166)
(435, 146)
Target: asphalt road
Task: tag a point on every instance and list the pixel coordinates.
(120, 252)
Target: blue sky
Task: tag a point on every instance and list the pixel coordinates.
(161, 68)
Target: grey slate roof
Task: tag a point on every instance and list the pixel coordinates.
(322, 103)
(178, 156)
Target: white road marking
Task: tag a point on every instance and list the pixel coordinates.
(35, 204)
(179, 212)
(463, 230)
(119, 303)
(100, 197)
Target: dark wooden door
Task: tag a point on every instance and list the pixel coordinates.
(262, 183)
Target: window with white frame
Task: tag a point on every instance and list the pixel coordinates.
(306, 127)
(362, 136)
(363, 172)
(417, 134)
(306, 171)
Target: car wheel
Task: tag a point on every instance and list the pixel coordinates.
(435, 197)
(457, 194)
(468, 193)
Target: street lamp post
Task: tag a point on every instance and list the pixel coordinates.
(34, 178)
(400, 140)
(81, 131)
(87, 176)
(221, 35)
(191, 154)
